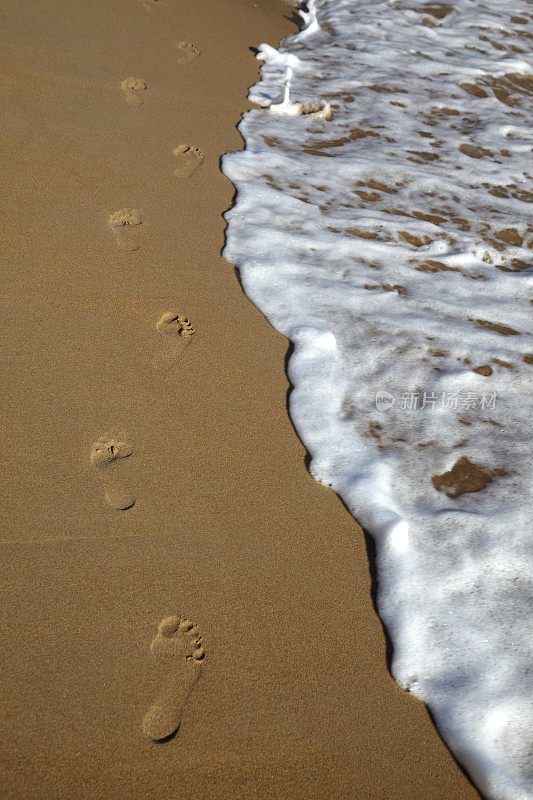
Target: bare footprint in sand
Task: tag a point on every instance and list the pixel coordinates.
(133, 89)
(177, 645)
(124, 224)
(187, 52)
(105, 455)
(148, 5)
(189, 159)
(179, 330)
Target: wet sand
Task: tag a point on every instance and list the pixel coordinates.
(150, 471)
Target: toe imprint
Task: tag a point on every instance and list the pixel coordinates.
(177, 638)
(190, 159)
(186, 327)
(125, 216)
(168, 626)
(187, 52)
(104, 452)
(175, 325)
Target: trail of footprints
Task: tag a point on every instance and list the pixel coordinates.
(109, 451)
(177, 644)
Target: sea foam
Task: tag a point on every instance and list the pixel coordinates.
(390, 244)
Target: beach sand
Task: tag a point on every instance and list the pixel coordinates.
(150, 472)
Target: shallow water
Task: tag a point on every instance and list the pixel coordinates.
(391, 246)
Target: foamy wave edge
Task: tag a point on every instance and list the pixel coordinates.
(312, 372)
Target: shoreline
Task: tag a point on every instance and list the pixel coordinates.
(227, 527)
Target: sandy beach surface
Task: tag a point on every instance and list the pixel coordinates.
(151, 472)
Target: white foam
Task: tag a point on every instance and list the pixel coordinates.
(390, 245)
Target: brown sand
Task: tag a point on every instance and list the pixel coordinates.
(223, 522)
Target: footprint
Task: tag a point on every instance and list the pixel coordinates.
(105, 454)
(178, 645)
(189, 159)
(187, 52)
(133, 89)
(148, 5)
(122, 223)
(179, 330)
